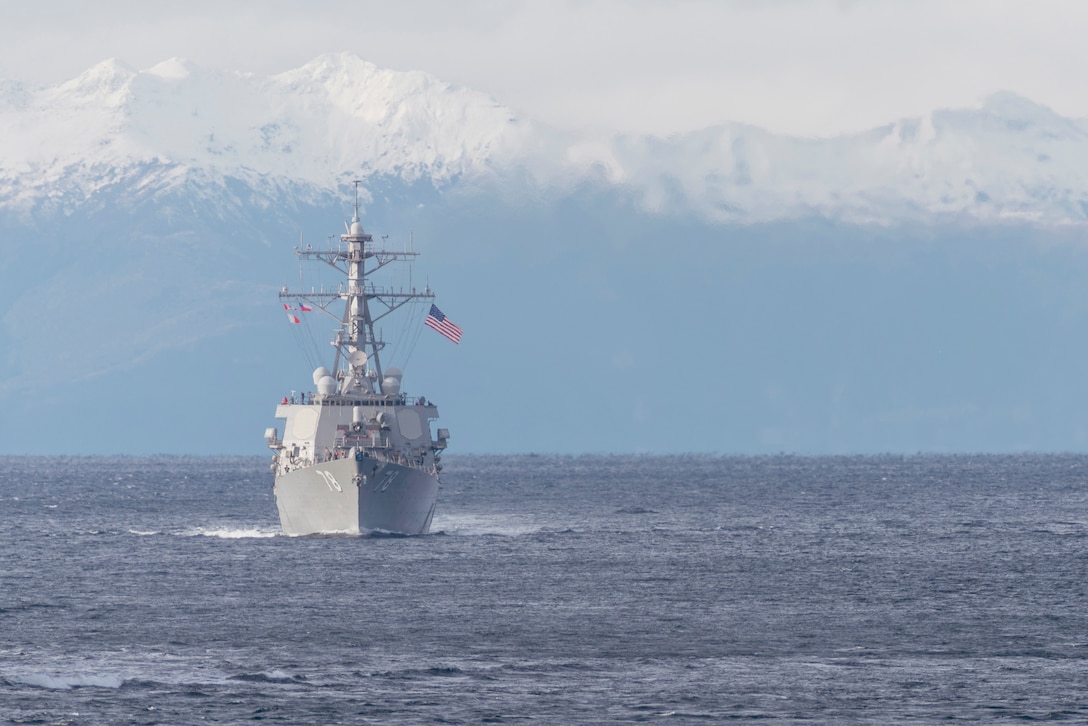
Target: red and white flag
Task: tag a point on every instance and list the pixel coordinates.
(437, 320)
(293, 318)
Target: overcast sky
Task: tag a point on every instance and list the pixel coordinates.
(812, 67)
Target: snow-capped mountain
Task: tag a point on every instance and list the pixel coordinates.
(1009, 160)
(333, 119)
(338, 117)
(147, 221)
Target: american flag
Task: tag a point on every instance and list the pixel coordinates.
(438, 321)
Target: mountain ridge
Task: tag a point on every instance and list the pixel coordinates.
(339, 117)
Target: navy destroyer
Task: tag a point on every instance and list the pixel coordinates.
(356, 453)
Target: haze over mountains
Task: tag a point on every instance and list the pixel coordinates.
(914, 287)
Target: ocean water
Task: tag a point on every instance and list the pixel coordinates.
(552, 590)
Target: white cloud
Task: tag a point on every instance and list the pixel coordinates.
(807, 67)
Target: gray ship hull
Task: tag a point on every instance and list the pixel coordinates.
(352, 496)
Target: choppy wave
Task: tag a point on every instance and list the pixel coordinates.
(478, 525)
(273, 676)
(635, 510)
(615, 590)
(64, 683)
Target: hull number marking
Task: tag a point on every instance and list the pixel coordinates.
(386, 481)
(334, 486)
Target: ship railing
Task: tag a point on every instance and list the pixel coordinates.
(382, 454)
(307, 398)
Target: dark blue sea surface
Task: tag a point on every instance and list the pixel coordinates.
(553, 590)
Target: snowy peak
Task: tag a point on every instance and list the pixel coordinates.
(174, 68)
(1009, 160)
(382, 97)
(334, 118)
(105, 84)
(408, 124)
(1021, 112)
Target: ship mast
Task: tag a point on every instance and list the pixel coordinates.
(356, 332)
(359, 328)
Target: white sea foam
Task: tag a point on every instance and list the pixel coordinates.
(227, 533)
(63, 683)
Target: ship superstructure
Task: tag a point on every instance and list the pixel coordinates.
(356, 453)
